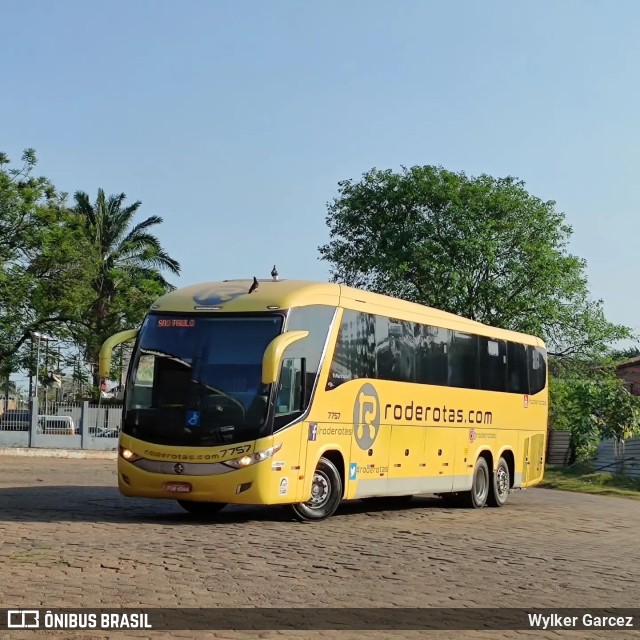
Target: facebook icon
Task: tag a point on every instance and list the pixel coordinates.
(313, 431)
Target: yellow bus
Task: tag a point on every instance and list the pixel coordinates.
(306, 394)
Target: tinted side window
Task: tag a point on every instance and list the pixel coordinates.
(385, 356)
(493, 364)
(537, 369)
(432, 357)
(407, 347)
(395, 349)
(316, 320)
(354, 355)
(463, 361)
(517, 367)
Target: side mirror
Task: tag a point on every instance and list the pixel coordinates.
(104, 361)
(274, 351)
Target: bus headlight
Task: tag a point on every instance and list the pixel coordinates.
(252, 458)
(128, 455)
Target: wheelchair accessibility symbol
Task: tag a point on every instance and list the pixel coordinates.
(193, 418)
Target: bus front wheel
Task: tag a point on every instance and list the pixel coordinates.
(202, 508)
(326, 493)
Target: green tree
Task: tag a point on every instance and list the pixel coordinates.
(128, 261)
(41, 261)
(481, 247)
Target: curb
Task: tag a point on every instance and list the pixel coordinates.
(32, 452)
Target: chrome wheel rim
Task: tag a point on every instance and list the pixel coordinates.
(320, 491)
(502, 482)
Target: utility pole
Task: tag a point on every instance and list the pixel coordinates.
(46, 367)
(6, 393)
(59, 373)
(31, 369)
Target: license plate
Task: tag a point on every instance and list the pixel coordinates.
(177, 487)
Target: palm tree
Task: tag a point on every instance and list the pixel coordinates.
(125, 263)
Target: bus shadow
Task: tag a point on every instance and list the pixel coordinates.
(70, 503)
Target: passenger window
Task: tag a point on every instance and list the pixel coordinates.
(432, 357)
(537, 369)
(463, 361)
(384, 350)
(395, 350)
(493, 364)
(517, 367)
(355, 350)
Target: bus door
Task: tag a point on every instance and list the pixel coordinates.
(532, 458)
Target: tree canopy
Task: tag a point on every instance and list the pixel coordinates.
(41, 260)
(481, 247)
(127, 261)
(486, 249)
(76, 273)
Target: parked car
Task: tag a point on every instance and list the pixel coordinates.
(56, 425)
(104, 432)
(15, 420)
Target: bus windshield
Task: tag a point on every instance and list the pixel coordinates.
(197, 380)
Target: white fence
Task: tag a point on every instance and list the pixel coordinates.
(62, 426)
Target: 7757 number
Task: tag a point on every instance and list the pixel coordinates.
(235, 450)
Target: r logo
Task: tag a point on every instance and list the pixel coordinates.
(366, 416)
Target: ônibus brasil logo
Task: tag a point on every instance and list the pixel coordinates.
(366, 416)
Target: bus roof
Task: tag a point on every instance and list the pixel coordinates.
(232, 296)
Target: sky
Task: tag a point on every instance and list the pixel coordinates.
(234, 121)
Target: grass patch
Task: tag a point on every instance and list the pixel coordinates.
(585, 479)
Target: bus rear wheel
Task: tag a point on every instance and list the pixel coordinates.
(202, 508)
(499, 491)
(326, 493)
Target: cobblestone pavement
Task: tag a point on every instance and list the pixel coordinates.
(68, 539)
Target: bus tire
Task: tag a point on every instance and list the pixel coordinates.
(202, 508)
(477, 497)
(326, 494)
(500, 485)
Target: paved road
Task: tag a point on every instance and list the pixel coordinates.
(68, 539)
